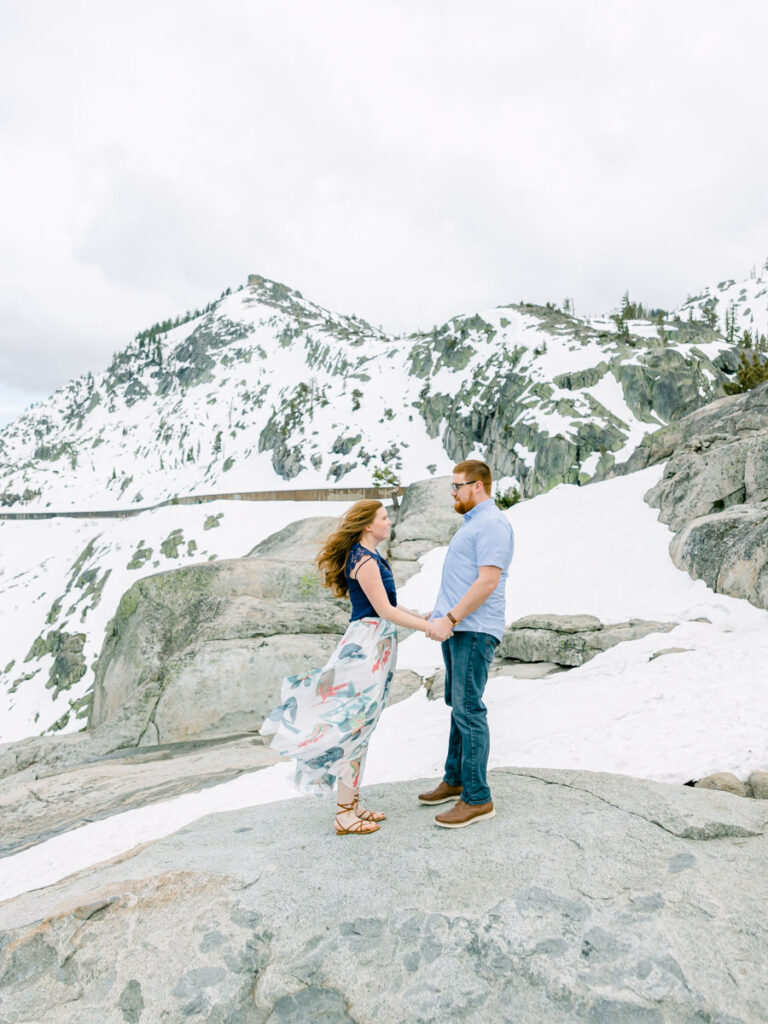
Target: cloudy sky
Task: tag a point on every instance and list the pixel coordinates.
(403, 160)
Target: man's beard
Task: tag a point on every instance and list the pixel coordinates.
(460, 507)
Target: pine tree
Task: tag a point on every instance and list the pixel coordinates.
(730, 323)
(751, 372)
(710, 313)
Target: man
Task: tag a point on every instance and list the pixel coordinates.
(468, 619)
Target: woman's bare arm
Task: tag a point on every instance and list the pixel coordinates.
(368, 576)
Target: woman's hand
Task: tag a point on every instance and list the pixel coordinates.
(440, 629)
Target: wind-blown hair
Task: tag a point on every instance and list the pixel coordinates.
(333, 555)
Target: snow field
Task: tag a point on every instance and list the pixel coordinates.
(596, 550)
(36, 567)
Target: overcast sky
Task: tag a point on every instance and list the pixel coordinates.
(404, 161)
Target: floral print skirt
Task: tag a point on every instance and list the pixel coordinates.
(327, 715)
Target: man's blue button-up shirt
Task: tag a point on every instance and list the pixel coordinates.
(484, 538)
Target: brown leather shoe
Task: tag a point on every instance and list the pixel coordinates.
(465, 814)
(441, 794)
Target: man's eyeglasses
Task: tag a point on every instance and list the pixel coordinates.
(455, 488)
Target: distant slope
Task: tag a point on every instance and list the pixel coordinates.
(267, 388)
(744, 303)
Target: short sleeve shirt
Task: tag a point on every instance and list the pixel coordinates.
(484, 538)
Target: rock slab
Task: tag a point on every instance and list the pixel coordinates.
(425, 520)
(583, 900)
(570, 640)
(714, 492)
(201, 651)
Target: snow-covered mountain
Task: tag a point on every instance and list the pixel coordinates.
(732, 306)
(267, 390)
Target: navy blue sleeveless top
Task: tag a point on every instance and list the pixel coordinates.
(361, 606)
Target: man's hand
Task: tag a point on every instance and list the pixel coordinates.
(440, 629)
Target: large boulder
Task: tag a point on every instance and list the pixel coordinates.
(570, 639)
(725, 782)
(565, 909)
(287, 569)
(710, 474)
(737, 416)
(425, 520)
(714, 493)
(202, 650)
(728, 550)
(296, 542)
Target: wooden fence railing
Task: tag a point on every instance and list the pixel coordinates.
(304, 494)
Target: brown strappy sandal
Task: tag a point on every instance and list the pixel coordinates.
(365, 815)
(357, 828)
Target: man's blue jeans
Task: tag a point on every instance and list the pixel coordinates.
(467, 657)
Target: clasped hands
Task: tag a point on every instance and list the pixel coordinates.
(439, 629)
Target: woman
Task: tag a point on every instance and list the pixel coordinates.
(327, 715)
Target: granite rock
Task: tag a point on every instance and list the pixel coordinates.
(569, 639)
(565, 908)
(425, 520)
(758, 781)
(714, 492)
(726, 782)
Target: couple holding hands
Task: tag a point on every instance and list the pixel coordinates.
(327, 715)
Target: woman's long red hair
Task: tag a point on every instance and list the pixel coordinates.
(334, 553)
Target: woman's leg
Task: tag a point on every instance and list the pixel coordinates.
(346, 816)
(360, 756)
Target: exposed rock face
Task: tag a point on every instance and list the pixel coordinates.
(570, 639)
(425, 520)
(493, 411)
(721, 421)
(714, 493)
(709, 475)
(298, 542)
(68, 664)
(565, 908)
(202, 650)
(729, 551)
(37, 805)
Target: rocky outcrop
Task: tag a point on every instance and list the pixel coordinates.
(36, 805)
(758, 782)
(729, 551)
(504, 412)
(570, 639)
(719, 422)
(714, 493)
(585, 927)
(425, 520)
(201, 651)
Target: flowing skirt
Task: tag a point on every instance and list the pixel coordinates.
(327, 715)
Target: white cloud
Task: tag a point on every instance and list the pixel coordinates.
(403, 162)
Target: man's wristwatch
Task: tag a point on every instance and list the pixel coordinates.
(454, 621)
